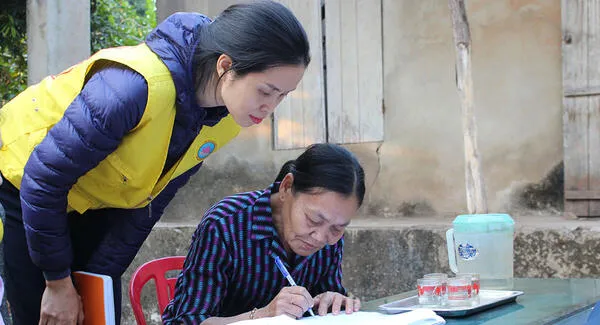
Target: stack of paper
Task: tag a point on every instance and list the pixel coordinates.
(415, 317)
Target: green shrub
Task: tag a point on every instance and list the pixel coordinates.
(120, 22)
(13, 49)
(112, 23)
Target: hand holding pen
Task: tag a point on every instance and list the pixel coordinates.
(300, 297)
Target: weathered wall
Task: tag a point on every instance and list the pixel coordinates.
(386, 256)
(517, 84)
(208, 7)
(58, 36)
(418, 169)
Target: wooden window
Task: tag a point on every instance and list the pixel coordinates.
(581, 102)
(351, 78)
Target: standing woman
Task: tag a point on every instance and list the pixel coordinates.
(91, 157)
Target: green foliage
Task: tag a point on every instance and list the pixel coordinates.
(13, 49)
(119, 22)
(113, 23)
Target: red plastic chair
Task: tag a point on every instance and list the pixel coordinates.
(165, 287)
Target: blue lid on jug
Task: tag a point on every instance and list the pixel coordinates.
(472, 223)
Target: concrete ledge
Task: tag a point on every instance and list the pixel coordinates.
(386, 256)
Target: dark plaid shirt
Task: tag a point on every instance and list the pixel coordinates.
(230, 267)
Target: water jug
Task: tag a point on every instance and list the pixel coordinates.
(483, 243)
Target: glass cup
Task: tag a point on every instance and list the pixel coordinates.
(459, 291)
(475, 282)
(429, 291)
(443, 278)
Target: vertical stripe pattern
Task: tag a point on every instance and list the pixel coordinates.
(230, 267)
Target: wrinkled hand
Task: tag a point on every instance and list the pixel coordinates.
(335, 300)
(291, 301)
(61, 304)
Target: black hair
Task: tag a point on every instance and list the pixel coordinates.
(326, 166)
(256, 35)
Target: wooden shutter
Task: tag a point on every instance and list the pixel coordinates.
(300, 118)
(354, 70)
(581, 101)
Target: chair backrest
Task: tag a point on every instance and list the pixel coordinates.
(165, 287)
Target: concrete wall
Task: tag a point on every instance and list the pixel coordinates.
(208, 7)
(58, 36)
(418, 169)
(517, 80)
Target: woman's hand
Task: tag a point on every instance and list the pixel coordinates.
(335, 300)
(291, 301)
(61, 304)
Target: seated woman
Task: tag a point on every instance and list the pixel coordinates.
(230, 272)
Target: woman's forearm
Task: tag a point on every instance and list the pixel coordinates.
(259, 313)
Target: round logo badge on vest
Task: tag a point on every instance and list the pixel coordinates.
(206, 149)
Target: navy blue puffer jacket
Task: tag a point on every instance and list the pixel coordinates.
(110, 104)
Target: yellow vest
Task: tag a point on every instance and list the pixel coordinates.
(130, 176)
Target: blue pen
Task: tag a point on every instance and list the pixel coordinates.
(287, 275)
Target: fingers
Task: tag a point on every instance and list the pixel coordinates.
(294, 311)
(334, 301)
(80, 315)
(351, 305)
(317, 300)
(292, 301)
(60, 303)
(293, 307)
(357, 304)
(298, 290)
(289, 307)
(299, 301)
(299, 296)
(46, 320)
(324, 303)
(336, 306)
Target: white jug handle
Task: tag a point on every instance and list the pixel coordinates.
(451, 253)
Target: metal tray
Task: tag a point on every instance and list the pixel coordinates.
(487, 299)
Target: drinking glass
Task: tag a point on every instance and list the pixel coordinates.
(429, 291)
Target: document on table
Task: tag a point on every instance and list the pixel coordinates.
(415, 317)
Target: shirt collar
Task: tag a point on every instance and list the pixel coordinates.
(261, 216)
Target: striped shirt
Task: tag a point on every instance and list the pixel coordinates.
(230, 267)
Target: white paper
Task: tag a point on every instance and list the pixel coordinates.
(415, 317)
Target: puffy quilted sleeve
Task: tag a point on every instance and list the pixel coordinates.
(110, 104)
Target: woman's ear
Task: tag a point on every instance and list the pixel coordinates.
(285, 187)
(224, 64)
